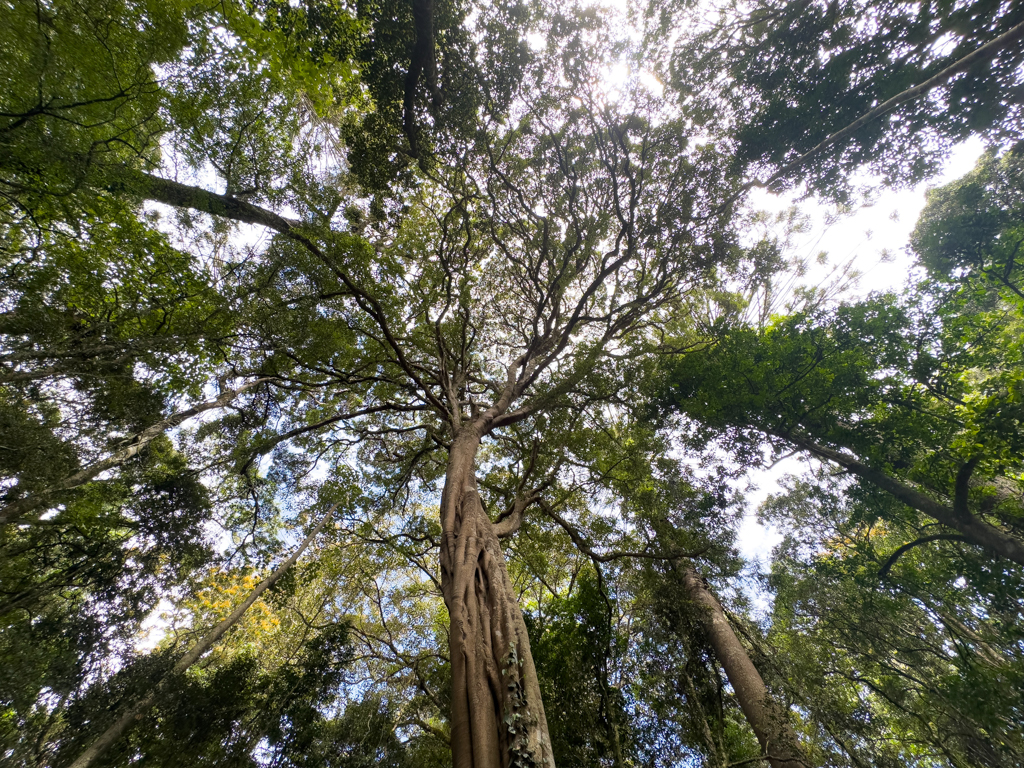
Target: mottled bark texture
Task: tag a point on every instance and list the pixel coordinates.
(767, 718)
(497, 716)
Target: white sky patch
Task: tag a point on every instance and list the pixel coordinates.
(615, 80)
(755, 541)
(621, 76)
(154, 628)
(650, 81)
(863, 237)
(874, 237)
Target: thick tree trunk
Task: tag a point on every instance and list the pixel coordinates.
(766, 717)
(497, 716)
(972, 528)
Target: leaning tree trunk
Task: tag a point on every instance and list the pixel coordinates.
(138, 709)
(15, 510)
(767, 718)
(497, 716)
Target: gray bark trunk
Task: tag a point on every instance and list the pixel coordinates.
(971, 527)
(767, 718)
(17, 509)
(137, 710)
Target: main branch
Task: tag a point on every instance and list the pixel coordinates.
(973, 528)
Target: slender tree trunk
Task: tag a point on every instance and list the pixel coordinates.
(138, 709)
(972, 528)
(497, 716)
(16, 509)
(766, 717)
(716, 755)
(986, 52)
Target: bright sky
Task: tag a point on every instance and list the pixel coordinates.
(862, 237)
(873, 238)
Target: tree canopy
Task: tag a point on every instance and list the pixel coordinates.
(379, 383)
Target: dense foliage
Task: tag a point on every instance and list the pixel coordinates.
(432, 276)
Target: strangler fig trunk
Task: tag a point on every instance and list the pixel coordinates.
(497, 716)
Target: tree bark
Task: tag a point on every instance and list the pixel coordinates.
(958, 517)
(16, 509)
(138, 709)
(767, 718)
(497, 715)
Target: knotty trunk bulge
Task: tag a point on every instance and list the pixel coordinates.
(497, 716)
